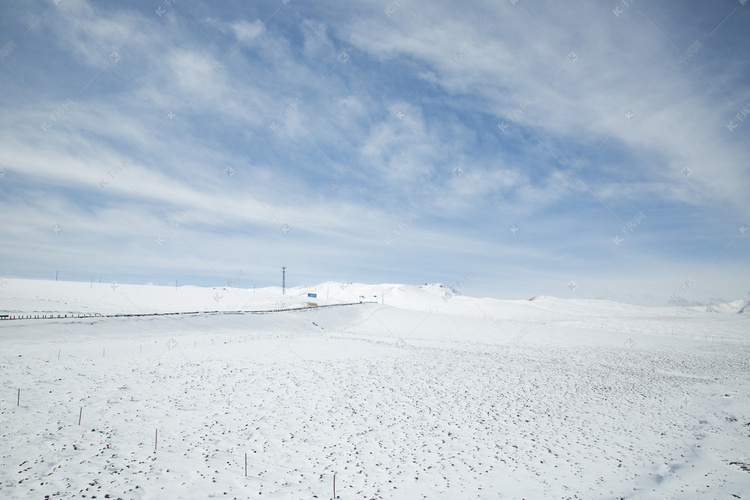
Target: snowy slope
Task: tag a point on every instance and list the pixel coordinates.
(411, 394)
(737, 306)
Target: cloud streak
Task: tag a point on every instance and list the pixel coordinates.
(517, 141)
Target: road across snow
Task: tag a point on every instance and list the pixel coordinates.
(426, 395)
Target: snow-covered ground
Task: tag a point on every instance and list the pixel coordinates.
(417, 392)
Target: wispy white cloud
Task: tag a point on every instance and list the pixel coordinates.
(378, 141)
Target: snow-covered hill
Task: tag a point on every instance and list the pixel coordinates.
(737, 306)
(39, 296)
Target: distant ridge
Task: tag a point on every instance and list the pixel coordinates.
(541, 297)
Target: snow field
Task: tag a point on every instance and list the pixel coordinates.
(397, 403)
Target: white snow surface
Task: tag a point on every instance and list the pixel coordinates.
(410, 392)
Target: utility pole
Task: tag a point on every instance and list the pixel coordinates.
(283, 280)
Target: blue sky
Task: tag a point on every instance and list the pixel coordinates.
(508, 148)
